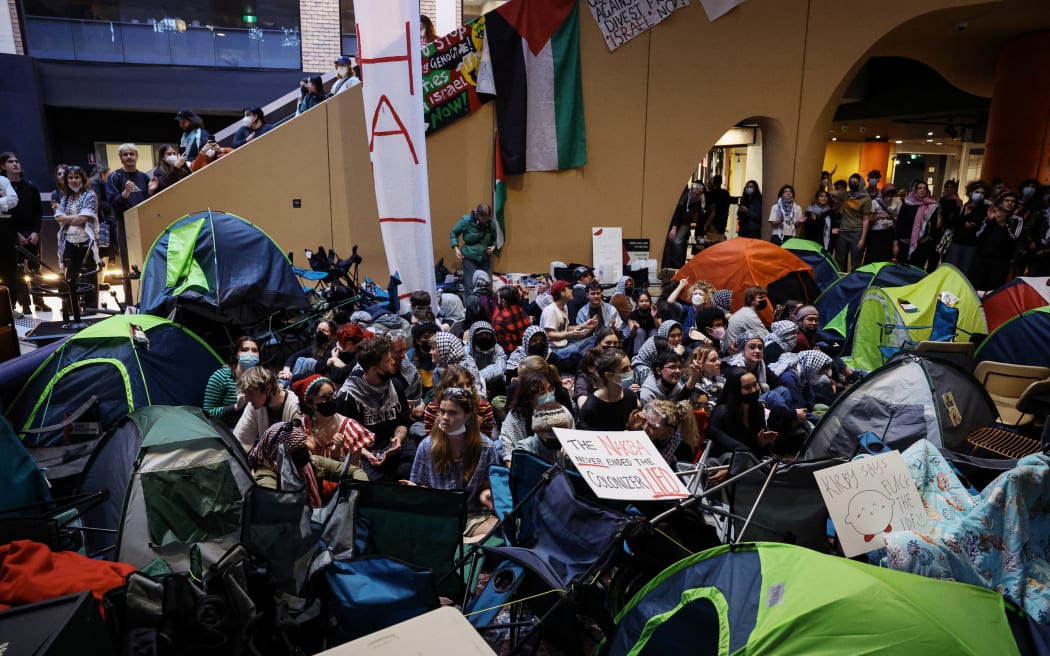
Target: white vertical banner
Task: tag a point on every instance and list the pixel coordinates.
(392, 88)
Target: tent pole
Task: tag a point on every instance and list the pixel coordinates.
(761, 493)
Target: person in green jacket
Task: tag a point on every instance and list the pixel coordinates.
(479, 242)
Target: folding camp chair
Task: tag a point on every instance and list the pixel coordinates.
(897, 338)
(54, 522)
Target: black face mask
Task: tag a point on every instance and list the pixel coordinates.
(762, 305)
(484, 342)
(854, 185)
(425, 347)
(320, 338)
(326, 408)
(751, 398)
(537, 349)
(552, 443)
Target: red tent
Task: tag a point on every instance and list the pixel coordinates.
(1015, 297)
(740, 263)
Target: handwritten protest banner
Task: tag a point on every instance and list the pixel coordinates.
(868, 498)
(450, 75)
(622, 20)
(623, 465)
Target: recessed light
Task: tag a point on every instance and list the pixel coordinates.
(929, 141)
(834, 138)
(929, 134)
(878, 136)
(898, 141)
(939, 143)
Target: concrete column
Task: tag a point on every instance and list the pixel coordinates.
(320, 34)
(10, 34)
(1018, 141)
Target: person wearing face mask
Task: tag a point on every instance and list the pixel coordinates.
(331, 434)
(749, 212)
(221, 399)
(376, 399)
(747, 318)
(420, 353)
(916, 221)
(265, 405)
(881, 237)
(312, 93)
(344, 76)
(543, 443)
(253, 125)
(739, 421)
(342, 357)
(533, 342)
(449, 349)
(77, 217)
(709, 328)
(642, 323)
(209, 152)
(623, 298)
(612, 404)
(961, 250)
(855, 208)
(531, 390)
(303, 362)
(997, 241)
(171, 168)
(488, 356)
(456, 456)
(874, 176)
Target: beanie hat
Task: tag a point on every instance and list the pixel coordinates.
(550, 416)
(806, 311)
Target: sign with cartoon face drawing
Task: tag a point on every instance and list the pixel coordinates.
(870, 497)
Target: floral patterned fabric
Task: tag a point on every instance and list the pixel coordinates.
(998, 540)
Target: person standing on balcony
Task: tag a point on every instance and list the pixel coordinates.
(193, 133)
(312, 90)
(252, 125)
(344, 76)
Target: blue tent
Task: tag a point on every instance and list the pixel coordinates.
(838, 305)
(1025, 339)
(220, 267)
(24, 483)
(825, 270)
(127, 362)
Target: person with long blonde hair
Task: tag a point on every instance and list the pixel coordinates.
(456, 456)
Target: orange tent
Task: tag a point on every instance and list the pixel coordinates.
(740, 263)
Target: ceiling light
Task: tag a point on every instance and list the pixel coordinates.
(929, 141)
(834, 138)
(878, 136)
(929, 134)
(898, 141)
(939, 143)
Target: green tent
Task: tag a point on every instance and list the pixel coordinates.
(768, 598)
(893, 316)
(825, 270)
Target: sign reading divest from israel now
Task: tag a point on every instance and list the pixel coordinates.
(622, 20)
(623, 465)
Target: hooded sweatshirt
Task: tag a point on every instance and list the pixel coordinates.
(492, 362)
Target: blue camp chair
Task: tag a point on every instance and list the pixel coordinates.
(944, 328)
(559, 541)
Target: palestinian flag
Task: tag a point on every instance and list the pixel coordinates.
(531, 63)
(499, 197)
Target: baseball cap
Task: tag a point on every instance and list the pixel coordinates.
(558, 287)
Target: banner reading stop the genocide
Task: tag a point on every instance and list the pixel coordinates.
(392, 88)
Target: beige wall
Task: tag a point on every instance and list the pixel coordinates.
(653, 108)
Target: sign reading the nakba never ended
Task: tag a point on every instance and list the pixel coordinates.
(870, 497)
(622, 20)
(450, 75)
(623, 465)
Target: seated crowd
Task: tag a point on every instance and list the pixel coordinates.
(434, 399)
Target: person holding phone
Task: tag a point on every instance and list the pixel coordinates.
(740, 421)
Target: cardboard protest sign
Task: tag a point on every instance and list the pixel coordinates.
(622, 20)
(870, 497)
(623, 465)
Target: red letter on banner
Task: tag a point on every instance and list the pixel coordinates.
(407, 57)
(383, 100)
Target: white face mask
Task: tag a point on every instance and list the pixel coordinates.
(75, 186)
(171, 159)
(340, 71)
(210, 152)
(246, 121)
(698, 299)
